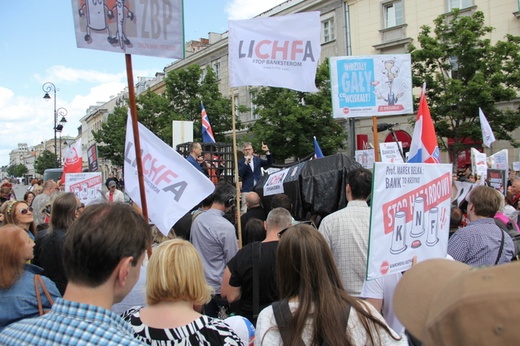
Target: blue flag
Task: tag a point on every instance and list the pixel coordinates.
(317, 150)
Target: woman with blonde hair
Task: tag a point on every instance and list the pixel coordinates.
(19, 213)
(175, 289)
(315, 307)
(17, 291)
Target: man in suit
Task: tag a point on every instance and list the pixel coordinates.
(250, 166)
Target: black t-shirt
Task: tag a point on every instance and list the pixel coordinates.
(241, 268)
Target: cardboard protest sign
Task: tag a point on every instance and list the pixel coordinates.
(410, 214)
(88, 187)
(496, 178)
(391, 152)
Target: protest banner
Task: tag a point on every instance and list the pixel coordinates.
(371, 85)
(478, 163)
(390, 152)
(92, 158)
(88, 186)
(366, 158)
(410, 214)
(153, 28)
(496, 178)
(499, 160)
(281, 51)
(463, 189)
(172, 185)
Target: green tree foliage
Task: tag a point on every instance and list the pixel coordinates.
(111, 137)
(186, 88)
(289, 119)
(17, 170)
(44, 161)
(464, 71)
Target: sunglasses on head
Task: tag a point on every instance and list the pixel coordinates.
(81, 206)
(26, 210)
(300, 223)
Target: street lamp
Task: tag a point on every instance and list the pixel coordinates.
(47, 88)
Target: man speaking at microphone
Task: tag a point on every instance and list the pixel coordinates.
(250, 168)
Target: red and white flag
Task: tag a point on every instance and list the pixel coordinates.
(73, 160)
(278, 51)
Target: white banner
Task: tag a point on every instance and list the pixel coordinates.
(391, 152)
(366, 158)
(278, 51)
(88, 187)
(499, 160)
(371, 85)
(411, 206)
(153, 28)
(478, 163)
(274, 183)
(172, 185)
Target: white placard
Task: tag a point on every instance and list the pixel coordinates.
(88, 187)
(411, 204)
(371, 85)
(366, 158)
(391, 152)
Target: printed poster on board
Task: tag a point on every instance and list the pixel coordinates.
(366, 158)
(410, 215)
(88, 187)
(371, 85)
(153, 28)
(391, 152)
(496, 178)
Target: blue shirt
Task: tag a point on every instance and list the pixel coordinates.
(19, 300)
(214, 238)
(70, 323)
(478, 244)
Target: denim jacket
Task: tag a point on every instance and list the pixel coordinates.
(19, 301)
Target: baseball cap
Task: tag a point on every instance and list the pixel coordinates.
(111, 183)
(243, 328)
(443, 302)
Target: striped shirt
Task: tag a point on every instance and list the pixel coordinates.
(478, 244)
(70, 323)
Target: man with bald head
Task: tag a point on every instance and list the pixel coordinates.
(254, 209)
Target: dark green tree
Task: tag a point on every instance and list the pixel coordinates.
(289, 119)
(44, 161)
(111, 137)
(186, 88)
(17, 170)
(463, 71)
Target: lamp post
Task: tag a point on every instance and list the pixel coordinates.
(47, 88)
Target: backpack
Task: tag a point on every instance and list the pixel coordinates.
(510, 229)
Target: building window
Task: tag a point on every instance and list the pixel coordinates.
(216, 68)
(328, 30)
(393, 14)
(459, 4)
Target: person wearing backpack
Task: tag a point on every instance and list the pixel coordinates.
(315, 309)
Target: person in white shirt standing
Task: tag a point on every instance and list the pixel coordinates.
(114, 195)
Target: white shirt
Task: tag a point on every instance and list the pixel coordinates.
(118, 197)
(267, 333)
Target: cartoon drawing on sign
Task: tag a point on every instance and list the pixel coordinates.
(391, 72)
(418, 218)
(399, 233)
(96, 13)
(120, 36)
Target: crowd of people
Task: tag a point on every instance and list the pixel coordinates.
(71, 273)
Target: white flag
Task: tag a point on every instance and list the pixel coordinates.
(487, 134)
(173, 186)
(278, 51)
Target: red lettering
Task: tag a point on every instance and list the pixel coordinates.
(259, 46)
(295, 49)
(284, 48)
